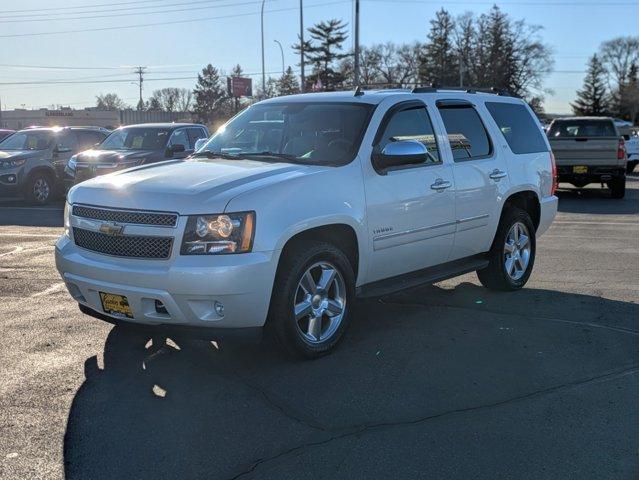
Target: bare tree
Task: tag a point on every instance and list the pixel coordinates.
(171, 99)
(109, 101)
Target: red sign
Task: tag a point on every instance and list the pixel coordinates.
(240, 86)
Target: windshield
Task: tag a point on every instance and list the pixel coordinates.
(582, 128)
(313, 133)
(28, 140)
(138, 138)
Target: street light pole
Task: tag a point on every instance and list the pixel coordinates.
(263, 68)
(356, 60)
(302, 45)
(282, 52)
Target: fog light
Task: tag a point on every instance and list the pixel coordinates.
(11, 179)
(219, 308)
(160, 308)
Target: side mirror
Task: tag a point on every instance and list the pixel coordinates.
(199, 143)
(400, 153)
(61, 149)
(175, 149)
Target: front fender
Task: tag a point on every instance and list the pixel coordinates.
(330, 196)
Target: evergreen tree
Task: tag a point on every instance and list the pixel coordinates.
(593, 98)
(323, 51)
(287, 84)
(208, 93)
(438, 64)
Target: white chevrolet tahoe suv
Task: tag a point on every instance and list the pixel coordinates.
(300, 204)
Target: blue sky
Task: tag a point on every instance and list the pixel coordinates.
(227, 32)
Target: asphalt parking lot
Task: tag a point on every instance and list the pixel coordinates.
(447, 381)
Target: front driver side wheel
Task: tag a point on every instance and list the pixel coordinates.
(311, 300)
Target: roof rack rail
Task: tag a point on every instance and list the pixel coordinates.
(433, 89)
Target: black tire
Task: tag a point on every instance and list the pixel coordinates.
(630, 166)
(495, 276)
(34, 190)
(617, 187)
(281, 322)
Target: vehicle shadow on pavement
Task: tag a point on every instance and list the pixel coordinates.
(20, 214)
(479, 383)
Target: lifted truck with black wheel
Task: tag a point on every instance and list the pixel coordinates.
(589, 150)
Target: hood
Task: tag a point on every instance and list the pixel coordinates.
(113, 156)
(20, 154)
(185, 187)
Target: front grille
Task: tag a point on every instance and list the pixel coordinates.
(134, 246)
(156, 219)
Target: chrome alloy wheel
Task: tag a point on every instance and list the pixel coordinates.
(41, 189)
(517, 251)
(319, 303)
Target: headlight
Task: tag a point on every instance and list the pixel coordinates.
(219, 234)
(13, 163)
(67, 221)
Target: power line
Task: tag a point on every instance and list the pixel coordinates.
(173, 22)
(131, 14)
(81, 6)
(59, 13)
(145, 79)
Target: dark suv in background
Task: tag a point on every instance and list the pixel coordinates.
(135, 145)
(32, 161)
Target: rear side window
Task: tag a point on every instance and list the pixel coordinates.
(195, 134)
(582, 128)
(466, 133)
(519, 128)
(88, 139)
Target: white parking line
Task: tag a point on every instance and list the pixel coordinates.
(15, 250)
(35, 235)
(571, 222)
(52, 289)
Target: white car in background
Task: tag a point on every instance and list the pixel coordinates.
(632, 150)
(301, 203)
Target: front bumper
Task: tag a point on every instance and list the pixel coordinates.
(188, 287)
(11, 181)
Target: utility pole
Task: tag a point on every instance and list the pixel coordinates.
(356, 60)
(140, 72)
(263, 68)
(303, 84)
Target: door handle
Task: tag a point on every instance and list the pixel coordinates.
(497, 174)
(441, 185)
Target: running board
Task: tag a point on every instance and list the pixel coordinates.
(425, 276)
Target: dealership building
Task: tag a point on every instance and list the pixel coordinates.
(22, 118)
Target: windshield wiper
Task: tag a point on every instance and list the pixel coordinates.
(283, 156)
(213, 155)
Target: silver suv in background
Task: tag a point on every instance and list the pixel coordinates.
(32, 161)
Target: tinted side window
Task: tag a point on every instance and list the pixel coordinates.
(180, 137)
(67, 140)
(519, 128)
(195, 134)
(466, 133)
(411, 124)
(87, 139)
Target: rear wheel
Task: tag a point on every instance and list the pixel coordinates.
(630, 166)
(310, 304)
(617, 187)
(39, 188)
(512, 254)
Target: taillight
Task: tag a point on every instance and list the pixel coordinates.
(621, 149)
(555, 179)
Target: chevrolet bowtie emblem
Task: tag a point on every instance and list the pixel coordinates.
(111, 229)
